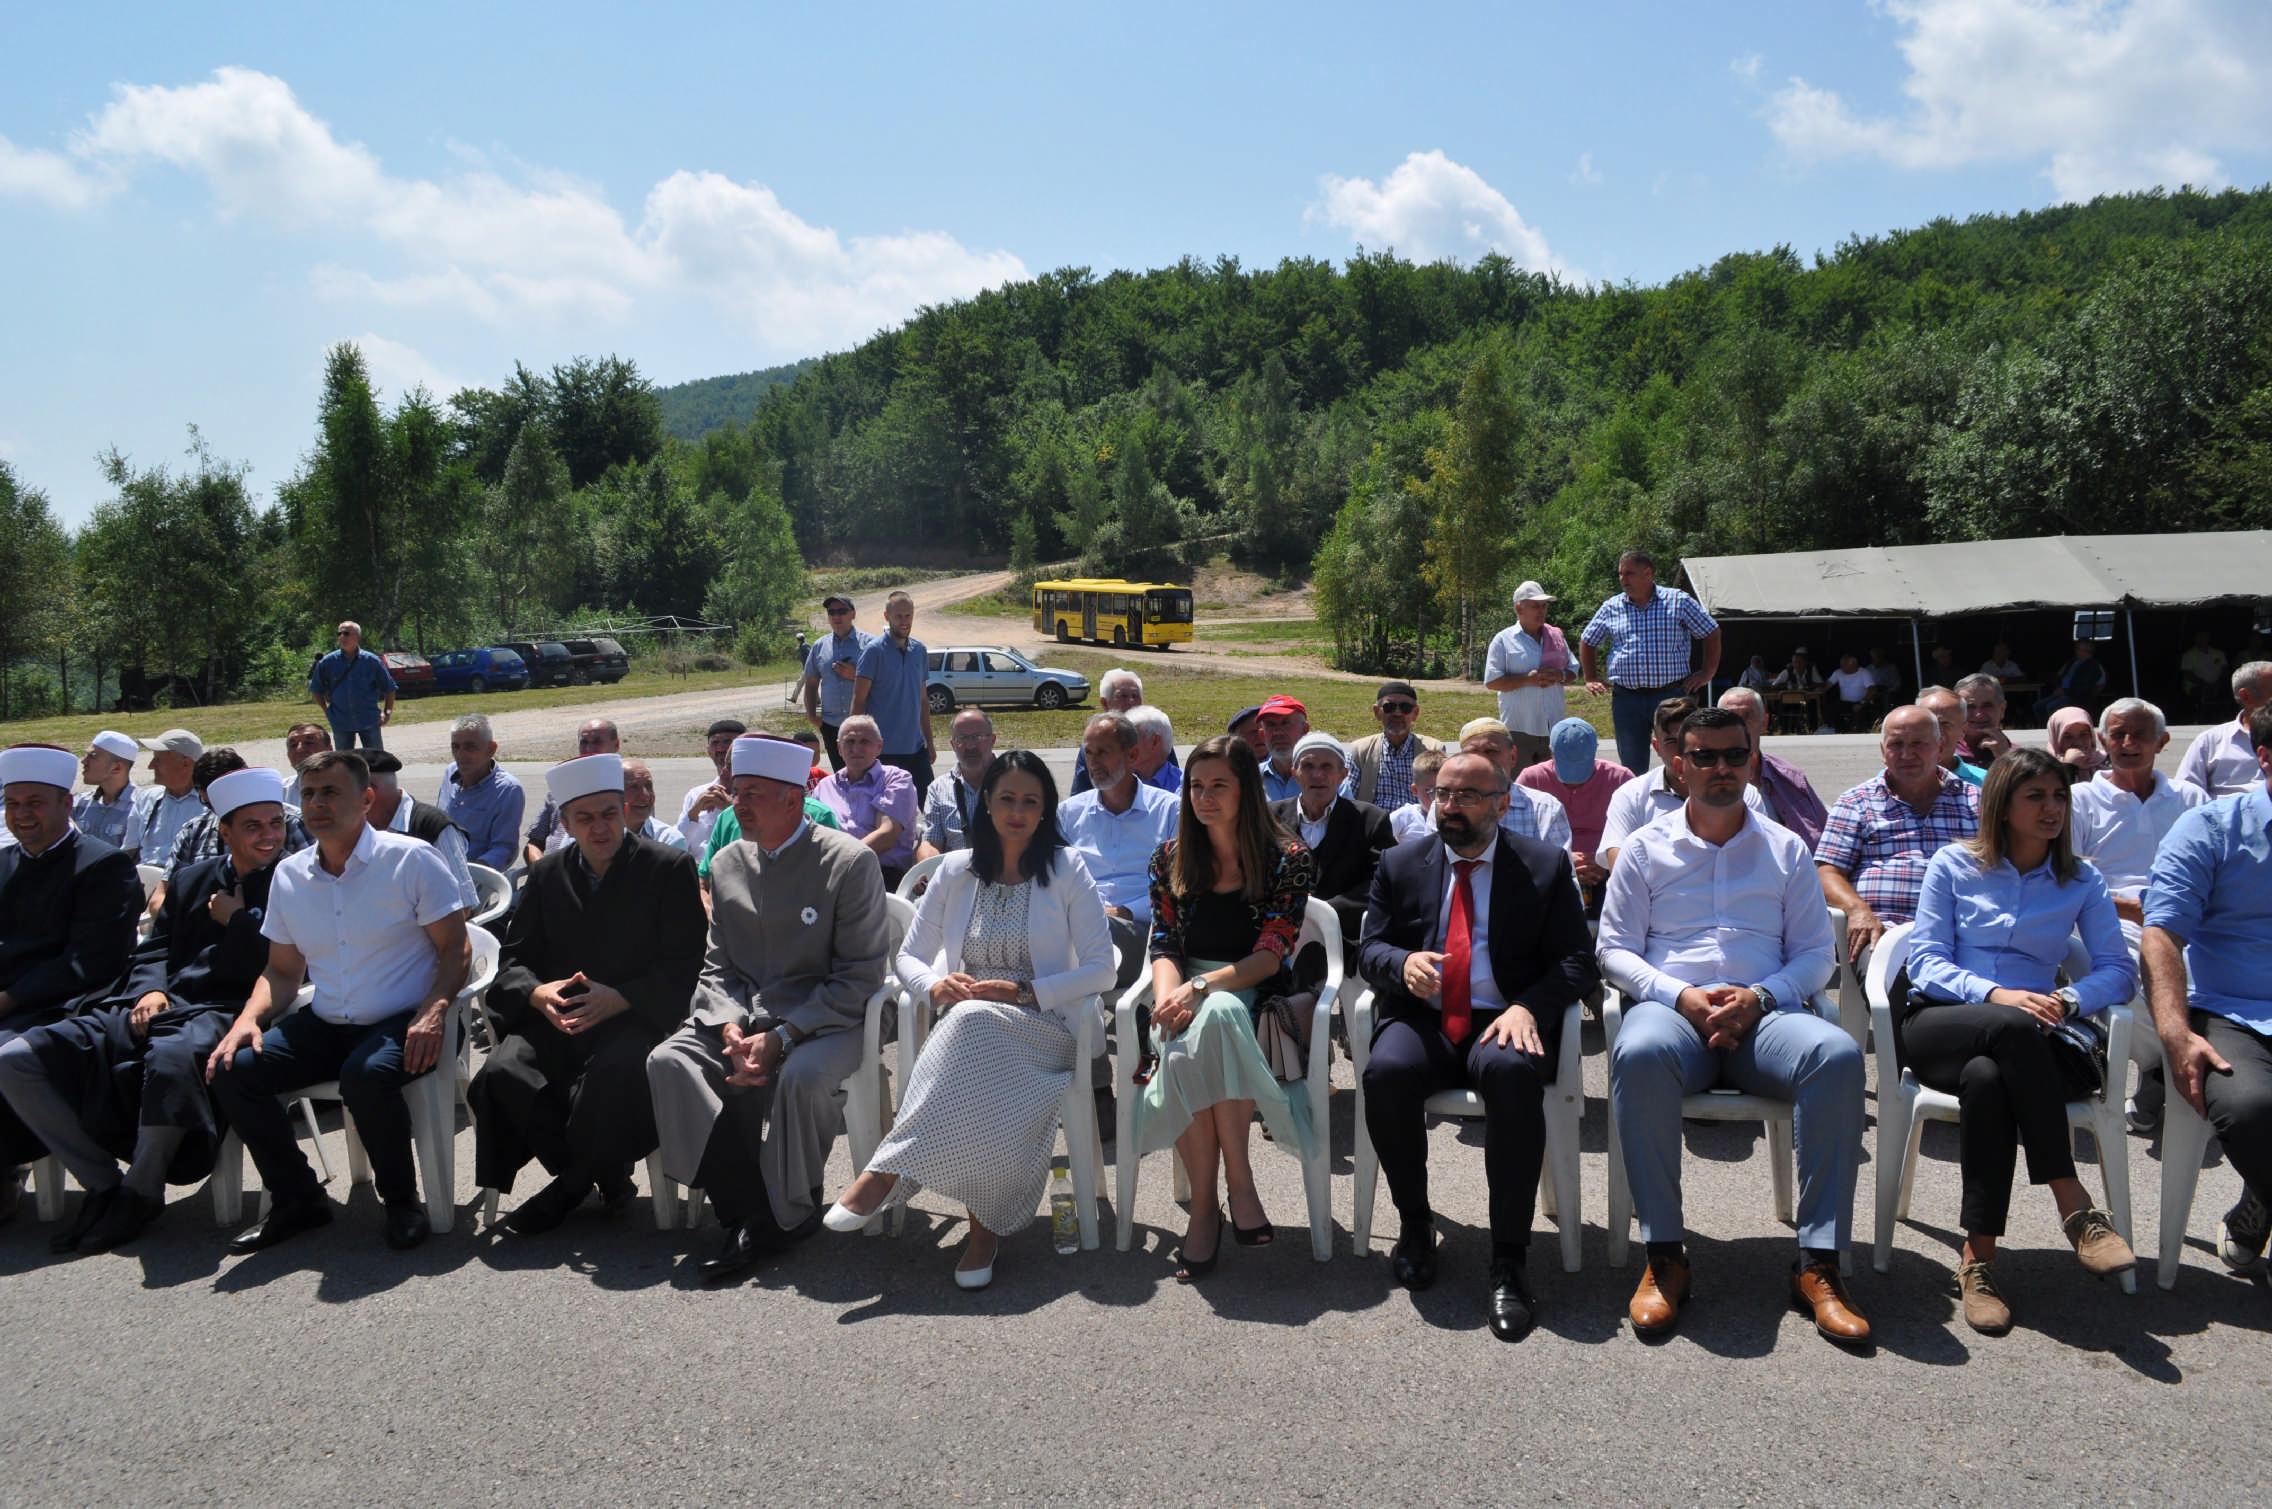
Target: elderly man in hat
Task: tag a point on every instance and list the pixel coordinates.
(1347, 837)
(1381, 763)
(1583, 782)
(107, 810)
(599, 966)
(127, 1079)
(68, 905)
(1246, 725)
(376, 921)
(1527, 665)
(749, 1095)
(832, 669)
(170, 803)
(355, 690)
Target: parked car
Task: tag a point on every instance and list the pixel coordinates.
(413, 674)
(548, 661)
(480, 671)
(965, 674)
(601, 660)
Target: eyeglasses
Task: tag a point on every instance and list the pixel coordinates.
(970, 741)
(1705, 759)
(1397, 709)
(1464, 796)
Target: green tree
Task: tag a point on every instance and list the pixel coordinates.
(526, 546)
(35, 578)
(763, 579)
(1471, 494)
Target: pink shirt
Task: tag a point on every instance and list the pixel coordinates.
(1587, 803)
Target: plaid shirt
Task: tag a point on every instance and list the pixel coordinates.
(1883, 845)
(1392, 788)
(1649, 642)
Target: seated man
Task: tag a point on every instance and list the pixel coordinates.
(300, 741)
(106, 811)
(2201, 675)
(1856, 694)
(953, 797)
(639, 808)
(1755, 676)
(127, 1079)
(1790, 795)
(1645, 798)
(1346, 837)
(1576, 776)
(394, 810)
(2001, 665)
(1282, 721)
(481, 796)
(2208, 911)
(1984, 709)
(1715, 933)
(68, 907)
(873, 802)
(595, 736)
(1799, 676)
(1530, 813)
(1154, 759)
(2078, 683)
(1883, 833)
(1246, 724)
(749, 1095)
(598, 967)
(1114, 826)
(1473, 946)
(1119, 690)
(170, 802)
(202, 839)
(705, 800)
(2221, 760)
(377, 922)
(1948, 711)
(1383, 761)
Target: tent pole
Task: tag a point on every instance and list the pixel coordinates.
(2130, 623)
(1917, 649)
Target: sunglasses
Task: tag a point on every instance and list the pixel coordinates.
(1398, 707)
(1705, 759)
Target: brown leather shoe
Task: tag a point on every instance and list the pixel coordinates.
(2098, 1244)
(1818, 1289)
(1655, 1309)
(1984, 1307)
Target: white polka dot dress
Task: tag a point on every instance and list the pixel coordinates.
(979, 1123)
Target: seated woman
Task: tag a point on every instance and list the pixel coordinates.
(2074, 743)
(1977, 1014)
(874, 802)
(1228, 895)
(1010, 943)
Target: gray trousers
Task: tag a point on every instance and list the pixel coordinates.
(1792, 1055)
(803, 1110)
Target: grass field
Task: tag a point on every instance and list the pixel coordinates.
(235, 722)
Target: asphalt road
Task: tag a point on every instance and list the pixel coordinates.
(588, 1366)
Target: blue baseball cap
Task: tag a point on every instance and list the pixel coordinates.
(1574, 743)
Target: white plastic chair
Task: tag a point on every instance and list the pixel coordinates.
(2185, 1142)
(153, 876)
(496, 891)
(1904, 1106)
(867, 1092)
(1319, 926)
(1558, 1181)
(1714, 1105)
(911, 884)
(432, 1098)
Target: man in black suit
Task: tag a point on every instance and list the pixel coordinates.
(1347, 836)
(68, 907)
(127, 1079)
(1474, 943)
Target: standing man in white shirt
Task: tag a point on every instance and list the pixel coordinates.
(1527, 664)
(2221, 760)
(1715, 932)
(376, 920)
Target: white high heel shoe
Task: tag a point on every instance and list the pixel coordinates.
(974, 1278)
(839, 1218)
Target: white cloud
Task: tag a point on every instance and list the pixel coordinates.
(502, 242)
(1430, 208)
(1585, 171)
(50, 177)
(1746, 67)
(396, 368)
(2106, 95)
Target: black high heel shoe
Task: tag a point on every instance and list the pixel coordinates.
(1190, 1270)
(1254, 1236)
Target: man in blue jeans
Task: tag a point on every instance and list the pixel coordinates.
(355, 690)
(1649, 630)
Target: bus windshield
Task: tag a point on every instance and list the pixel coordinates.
(1168, 607)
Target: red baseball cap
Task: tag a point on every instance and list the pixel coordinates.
(1281, 705)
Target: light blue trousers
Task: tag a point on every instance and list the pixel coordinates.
(1791, 1055)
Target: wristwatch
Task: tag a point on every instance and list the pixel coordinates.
(1767, 1001)
(787, 1042)
(1026, 996)
(2069, 1002)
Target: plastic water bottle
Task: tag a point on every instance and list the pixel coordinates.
(1064, 1213)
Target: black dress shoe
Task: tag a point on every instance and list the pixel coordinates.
(1511, 1304)
(407, 1225)
(547, 1208)
(735, 1256)
(1413, 1263)
(92, 1209)
(284, 1221)
(617, 1192)
(123, 1222)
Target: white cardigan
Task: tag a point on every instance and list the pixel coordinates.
(1065, 930)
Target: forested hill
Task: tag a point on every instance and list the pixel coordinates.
(692, 410)
(2093, 367)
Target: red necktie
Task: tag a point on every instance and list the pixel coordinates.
(1459, 952)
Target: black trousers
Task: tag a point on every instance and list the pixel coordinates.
(302, 1049)
(577, 1105)
(2240, 1103)
(730, 1174)
(1412, 1060)
(2012, 1081)
(917, 765)
(828, 742)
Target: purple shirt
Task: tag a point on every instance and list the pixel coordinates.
(1796, 806)
(885, 791)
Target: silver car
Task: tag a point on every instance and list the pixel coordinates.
(972, 674)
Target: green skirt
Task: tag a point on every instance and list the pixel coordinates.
(1214, 1059)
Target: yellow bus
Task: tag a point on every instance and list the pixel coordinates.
(1109, 611)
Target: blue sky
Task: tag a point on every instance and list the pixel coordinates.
(194, 204)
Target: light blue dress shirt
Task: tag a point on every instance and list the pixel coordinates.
(2212, 887)
(898, 679)
(490, 811)
(1116, 847)
(1978, 930)
(820, 665)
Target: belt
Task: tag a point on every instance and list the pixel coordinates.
(1667, 687)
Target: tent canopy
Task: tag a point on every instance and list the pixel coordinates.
(1989, 576)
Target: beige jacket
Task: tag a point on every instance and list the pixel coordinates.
(1365, 756)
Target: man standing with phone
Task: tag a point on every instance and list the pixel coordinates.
(832, 666)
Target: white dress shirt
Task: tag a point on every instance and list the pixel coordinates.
(1644, 799)
(2221, 760)
(1682, 911)
(1482, 985)
(362, 931)
(2119, 832)
(1411, 821)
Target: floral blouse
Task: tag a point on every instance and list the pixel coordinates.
(1228, 926)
